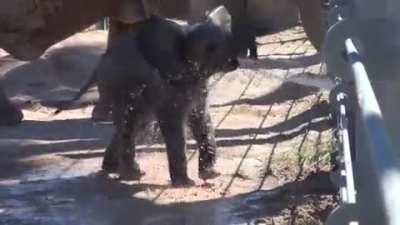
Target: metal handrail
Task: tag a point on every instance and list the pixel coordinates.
(381, 152)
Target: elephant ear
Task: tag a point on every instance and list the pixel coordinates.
(220, 17)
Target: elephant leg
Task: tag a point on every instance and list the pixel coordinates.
(253, 48)
(173, 131)
(9, 113)
(125, 120)
(118, 29)
(102, 110)
(110, 159)
(203, 132)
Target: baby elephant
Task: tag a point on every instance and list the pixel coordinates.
(160, 72)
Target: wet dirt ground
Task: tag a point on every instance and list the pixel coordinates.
(273, 134)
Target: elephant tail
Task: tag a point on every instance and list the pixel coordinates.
(68, 103)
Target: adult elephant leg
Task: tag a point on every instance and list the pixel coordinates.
(9, 113)
(312, 17)
(102, 109)
(119, 29)
(243, 31)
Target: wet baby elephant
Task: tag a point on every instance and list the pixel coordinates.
(160, 72)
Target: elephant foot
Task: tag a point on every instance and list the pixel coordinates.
(10, 115)
(101, 113)
(183, 182)
(110, 160)
(109, 167)
(253, 55)
(208, 173)
(130, 172)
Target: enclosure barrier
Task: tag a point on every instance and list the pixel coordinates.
(364, 35)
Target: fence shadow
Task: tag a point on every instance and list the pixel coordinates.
(287, 91)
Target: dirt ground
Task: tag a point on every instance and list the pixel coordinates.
(272, 126)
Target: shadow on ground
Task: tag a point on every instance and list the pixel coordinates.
(316, 119)
(34, 138)
(98, 200)
(287, 91)
(39, 138)
(291, 61)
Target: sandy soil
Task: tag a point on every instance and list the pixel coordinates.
(273, 134)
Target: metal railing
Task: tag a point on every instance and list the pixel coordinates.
(382, 155)
(368, 174)
(345, 169)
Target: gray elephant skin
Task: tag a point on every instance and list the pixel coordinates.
(159, 72)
